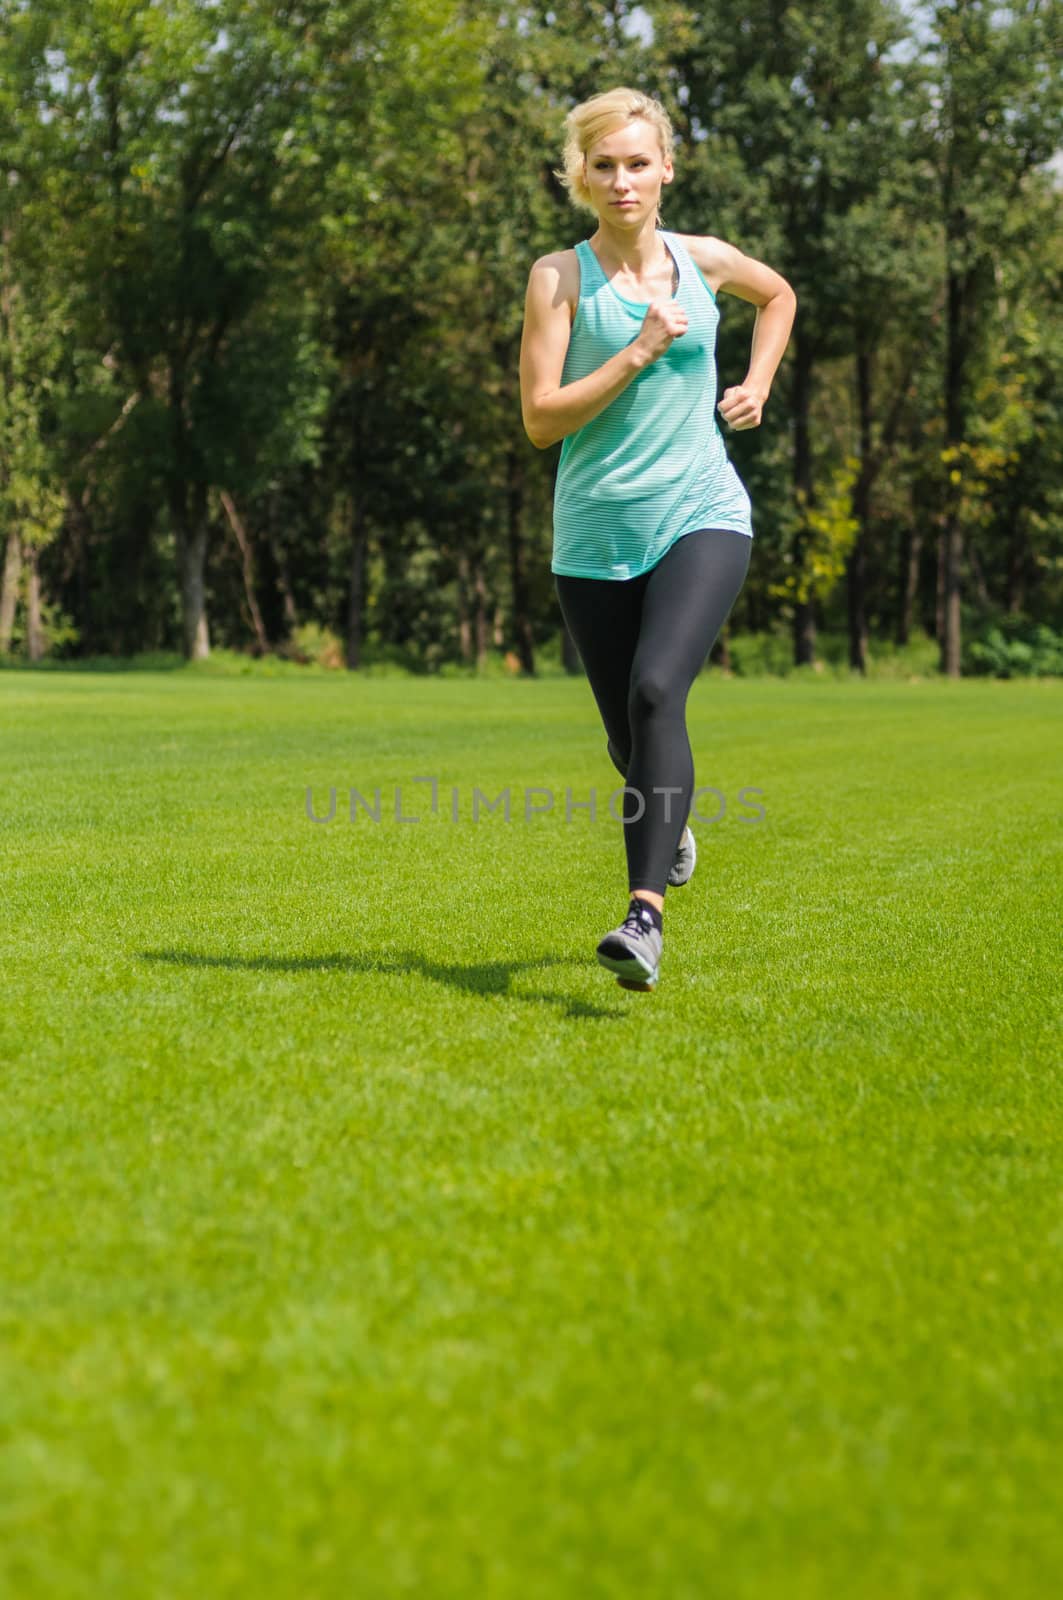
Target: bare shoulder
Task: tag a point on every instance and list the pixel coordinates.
(724, 266)
(707, 253)
(556, 277)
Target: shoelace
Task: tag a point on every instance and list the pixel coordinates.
(638, 921)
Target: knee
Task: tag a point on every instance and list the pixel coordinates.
(649, 696)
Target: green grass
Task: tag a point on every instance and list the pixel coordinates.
(359, 1237)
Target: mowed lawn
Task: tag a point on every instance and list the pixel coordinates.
(360, 1237)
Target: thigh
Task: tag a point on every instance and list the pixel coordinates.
(689, 594)
(603, 615)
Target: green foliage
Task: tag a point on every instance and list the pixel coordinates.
(755, 655)
(32, 387)
(1015, 647)
(59, 632)
(821, 537)
(311, 642)
(283, 252)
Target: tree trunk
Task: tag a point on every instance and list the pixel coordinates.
(522, 627)
(752, 610)
(9, 591)
(13, 553)
(291, 616)
(939, 593)
(479, 589)
(909, 580)
(247, 561)
(34, 630)
(188, 509)
(980, 588)
(190, 528)
(856, 573)
(856, 581)
(280, 561)
(1016, 590)
(959, 305)
(464, 614)
(804, 633)
(356, 594)
(81, 531)
(953, 541)
(804, 623)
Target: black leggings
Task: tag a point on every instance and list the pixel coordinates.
(642, 642)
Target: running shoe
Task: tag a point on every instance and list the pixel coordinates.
(633, 951)
(686, 855)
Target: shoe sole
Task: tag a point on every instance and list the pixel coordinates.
(679, 883)
(629, 973)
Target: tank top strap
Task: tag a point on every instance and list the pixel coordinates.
(591, 275)
(688, 267)
(681, 254)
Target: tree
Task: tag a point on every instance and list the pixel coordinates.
(31, 494)
(792, 118)
(170, 157)
(997, 118)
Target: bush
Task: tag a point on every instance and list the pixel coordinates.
(59, 634)
(1014, 647)
(311, 642)
(755, 655)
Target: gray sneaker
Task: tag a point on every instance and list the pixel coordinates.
(685, 856)
(633, 951)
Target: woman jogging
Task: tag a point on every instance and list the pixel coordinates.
(652, 524)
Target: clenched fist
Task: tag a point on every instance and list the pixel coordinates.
(741, 406)
(663, 322)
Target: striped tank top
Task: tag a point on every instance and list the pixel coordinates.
(652, 466)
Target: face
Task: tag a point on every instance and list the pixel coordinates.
(625, 171)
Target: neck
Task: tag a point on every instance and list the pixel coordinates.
(638, 252)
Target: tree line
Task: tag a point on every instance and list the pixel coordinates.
(262, 285)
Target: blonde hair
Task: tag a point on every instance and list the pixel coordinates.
(595, 119)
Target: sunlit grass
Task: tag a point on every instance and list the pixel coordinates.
(361, 1237)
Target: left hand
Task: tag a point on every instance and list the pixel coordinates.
(741, 406)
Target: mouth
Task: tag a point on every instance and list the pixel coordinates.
(625, 202)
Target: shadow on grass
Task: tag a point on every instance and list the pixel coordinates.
(485, 978)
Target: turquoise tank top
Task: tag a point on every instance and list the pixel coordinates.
(652, 466)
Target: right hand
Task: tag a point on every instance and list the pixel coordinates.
(664, 321)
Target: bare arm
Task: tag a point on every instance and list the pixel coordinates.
(551, 410)
(724, 267)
